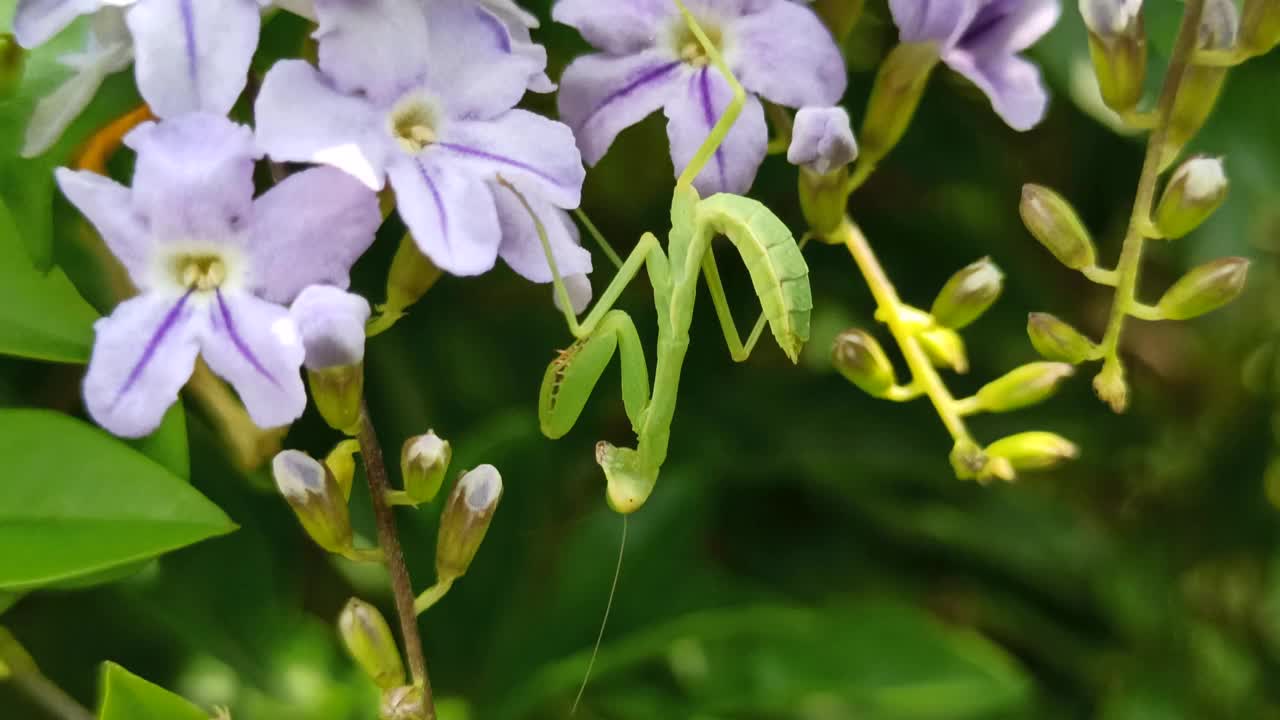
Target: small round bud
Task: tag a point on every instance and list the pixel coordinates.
(822, 140)
(1205, 288)
(1260, 25)
(861, 360)
(1030, 451)
(968, 294)
(370, 643)
(13, 63)
(1195, 191)
(1052, 220)
(1056, 340)
(945, 348)
(1027, 385)
(465, 520)
(331, 323)
(423, 462)
(403, 703)
(899, 84)
(1118, 48)
(316, 499)
(1109, 18)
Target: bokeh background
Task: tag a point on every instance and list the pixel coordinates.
(807, 553)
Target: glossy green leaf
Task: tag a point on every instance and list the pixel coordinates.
(168, 444)
(42, 316)
(126, 696)
(75, 501)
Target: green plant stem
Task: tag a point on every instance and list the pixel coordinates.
(389, 541)
(27, 678)
(1131, 252)
(890, 307)
(432, 595)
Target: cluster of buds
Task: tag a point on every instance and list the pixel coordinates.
(962, 300)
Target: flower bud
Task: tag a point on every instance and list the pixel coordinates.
(1219, 25)
(1201, 84)
(331, 323)
(1205, 288)
(403, 703)
(423, 462)
(341, 461)
(1023, 386)
(370, 643)
(1260, 26)
(822, 140)
(1032, 450)
(1111, 387)
(316, 499)
(1118, 47)
(465, 520)
(967, 459)
(945, 348)
(13, 62)
(412, 274)
(1197, 188)
(861, 360)
(1052, 220)
(968, 294)
(899, 84)
(1056, 340)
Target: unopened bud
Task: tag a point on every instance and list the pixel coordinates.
(13, 62)
(945, 348)
(1205, 288)
(370, 643)
(1023, 386)
(967, 459)
(1056, 340)
(861, 360)
(968, 294)
(1118, 47)
(1111, 386)
(465, 520)
(316, 499)
(403, 703)
(1196, 189)
(423, 462)
(1201, 84)
(1219, 25)
(331, 323)
(1033, 450)
(1052, 220)
(895, 96)
(412, 274)
(341, 461)
(822, 144)
(1260, 25)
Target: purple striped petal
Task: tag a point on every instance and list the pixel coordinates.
(1003, 27)
(616, 26)
(473, 66)
(937, 21)
(143, 353)
(785, 54)
(690, 117)
(535, 154)
(1013, 85)
(449, 211)
(601, 95)
(254, 345)
(375, 47)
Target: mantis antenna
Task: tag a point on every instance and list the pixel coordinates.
(613, 589)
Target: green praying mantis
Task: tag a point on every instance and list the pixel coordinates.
(778, 273)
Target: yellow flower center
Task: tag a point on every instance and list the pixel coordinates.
(200, 272)
(413, 123)
(690, 49)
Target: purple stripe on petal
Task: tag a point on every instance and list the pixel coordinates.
(440, 209)
(709, 114)
(239, 343)
(473, 152)
(652, 74)
(148, 352)
(189, 28)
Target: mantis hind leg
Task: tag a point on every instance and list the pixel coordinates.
(730, 116)
(574, 373)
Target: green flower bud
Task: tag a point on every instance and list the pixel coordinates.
(465, 520)
(1027, 385)
(945, 348)
(967, 459)
(1056, 340)
(412, 274)
(337, 392)
(316, 499)
(1052, 220)
(341, 461)
(968, 294)
(403, 703)
(1260, 25)
(895, 96)
(861, 360)
(1201, 85)
(1118, 47)
(1205, 288)
(13, 62)
(1028, 451)
(1196, 189)
(423, 462)
(1111, 387)
(823, 199)
(370, 643)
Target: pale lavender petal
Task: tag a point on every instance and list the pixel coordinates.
(193, 55)
(109, 206)
(1013, 85)
(473, 67)
(376, 47)
(690, 117)
(939, 21)
(193, 179)
(55, 112)
(143, 353)
(310, 229)
(302, 118)
(518, 22)
(616, 26)
(1003, 27)
(36, 21)
(450, 212)
(535, 154)
(785, 54)
(601, 95)
(579, 289)
(822, 139)
(521, 247)
(254, 345)
(331, 324)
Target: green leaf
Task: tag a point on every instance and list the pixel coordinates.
(41, 316)
(168, 444)
(76, 501)
(126, 696)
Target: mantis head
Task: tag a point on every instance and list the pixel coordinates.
(629, 481)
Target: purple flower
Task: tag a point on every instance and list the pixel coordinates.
(777, 49)
(189, 55)
(981, 39)
(421, 92)
(822, 140)
(214, 267)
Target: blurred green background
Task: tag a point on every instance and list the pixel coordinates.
(807, 553)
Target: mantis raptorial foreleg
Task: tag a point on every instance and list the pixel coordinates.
(572, 376)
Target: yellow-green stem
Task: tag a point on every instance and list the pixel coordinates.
(432, 595)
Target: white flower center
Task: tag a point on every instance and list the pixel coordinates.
(198, 267)
(414, 123)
